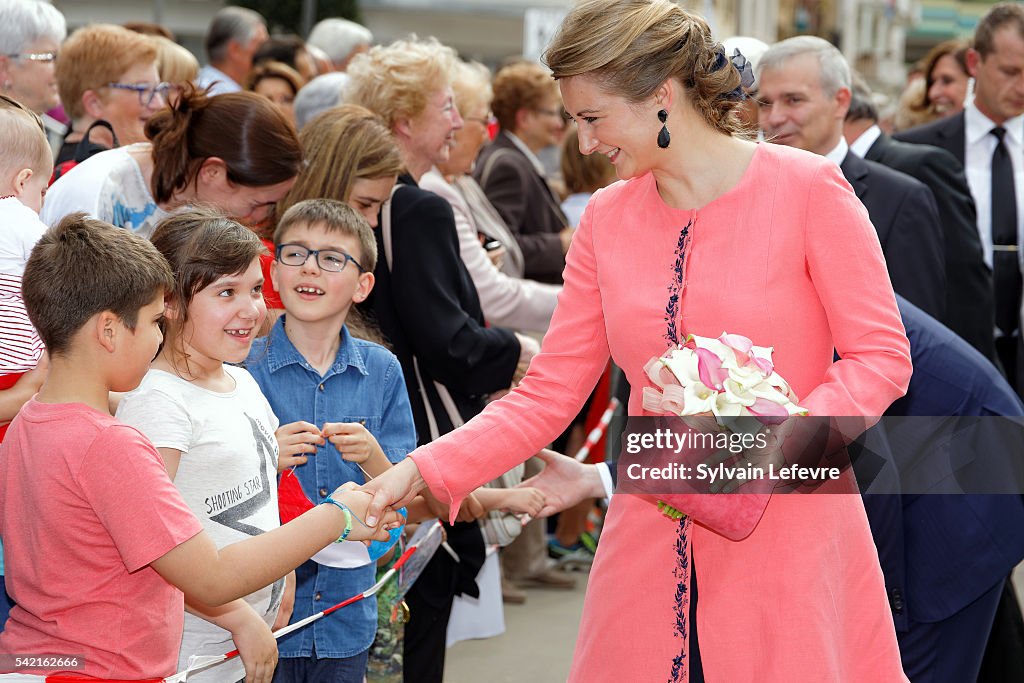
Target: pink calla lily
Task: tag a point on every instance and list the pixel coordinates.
(709, 366)
(739, 344)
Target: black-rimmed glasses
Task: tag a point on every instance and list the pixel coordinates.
(328, 259)
(146, 93)
(42, 57)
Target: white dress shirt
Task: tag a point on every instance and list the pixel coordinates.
(979, 145)
(862, 144)
(838, 153)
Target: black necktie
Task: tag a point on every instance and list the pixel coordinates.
(1004, 238)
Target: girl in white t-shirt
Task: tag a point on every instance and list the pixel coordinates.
(212, 425)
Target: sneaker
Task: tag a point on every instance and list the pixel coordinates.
(581, 558)
(557, 551)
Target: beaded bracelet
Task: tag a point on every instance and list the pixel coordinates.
(348, 517)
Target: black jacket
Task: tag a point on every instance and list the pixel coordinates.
(969, 301)
(426, 306)
(907, 222)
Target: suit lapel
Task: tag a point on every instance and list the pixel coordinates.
(855, 172)
(953, 136)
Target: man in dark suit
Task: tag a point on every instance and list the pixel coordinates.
(804, 93)
(969, 310)
(947, 558)
(527, 106)
(987, 137)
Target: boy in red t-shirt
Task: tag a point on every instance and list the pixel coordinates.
(87, 511)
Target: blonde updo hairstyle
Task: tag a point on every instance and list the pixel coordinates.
(397, 81)
(633, 46)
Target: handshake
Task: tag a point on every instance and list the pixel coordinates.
(561, 484)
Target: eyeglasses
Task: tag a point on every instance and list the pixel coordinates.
(489, 120)
(42, 57)
(327, 259)
(147, 93)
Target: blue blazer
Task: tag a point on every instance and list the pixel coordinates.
(941, 552)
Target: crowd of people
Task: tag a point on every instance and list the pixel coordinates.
(384, 281)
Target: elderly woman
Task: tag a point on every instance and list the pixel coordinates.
(30, 35)
(427, 306)
(108, 80)
(235, 152)
(506, 298)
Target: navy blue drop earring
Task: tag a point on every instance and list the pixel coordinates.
(663, 136)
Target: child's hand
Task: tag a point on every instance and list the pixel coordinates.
(358, 501)
(293, 440)
(353, 441)
(256, 648)
(526, 499)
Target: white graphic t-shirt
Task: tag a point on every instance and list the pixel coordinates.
(227, 475)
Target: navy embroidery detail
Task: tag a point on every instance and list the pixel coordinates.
(675, 288)
(681, 572)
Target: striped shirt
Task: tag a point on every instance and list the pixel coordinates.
(20, 346)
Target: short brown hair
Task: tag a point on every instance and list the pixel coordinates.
(334, 216)
(83, 266)
(247, 131)
(342, 145)
(202, 246)
(633, 46)
(999, 16)
(22, 139)
(522, 85)
(96, 55)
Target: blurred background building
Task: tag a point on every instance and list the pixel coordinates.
(881, 37)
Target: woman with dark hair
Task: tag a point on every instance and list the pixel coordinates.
(709, 232)
(946, 78)
(235, 152)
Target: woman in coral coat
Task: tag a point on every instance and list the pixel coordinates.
(708, 233)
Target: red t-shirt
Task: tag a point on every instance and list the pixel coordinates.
(85, 506)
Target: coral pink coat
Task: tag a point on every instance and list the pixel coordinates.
(788, 258)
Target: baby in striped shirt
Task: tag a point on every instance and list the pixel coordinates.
(25, 168)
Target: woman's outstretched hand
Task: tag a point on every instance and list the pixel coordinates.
(393, 489)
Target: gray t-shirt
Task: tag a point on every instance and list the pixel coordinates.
(227, 476)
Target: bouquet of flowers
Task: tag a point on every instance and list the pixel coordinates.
(728, 377)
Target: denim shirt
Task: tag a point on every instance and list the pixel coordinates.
(364, 384)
